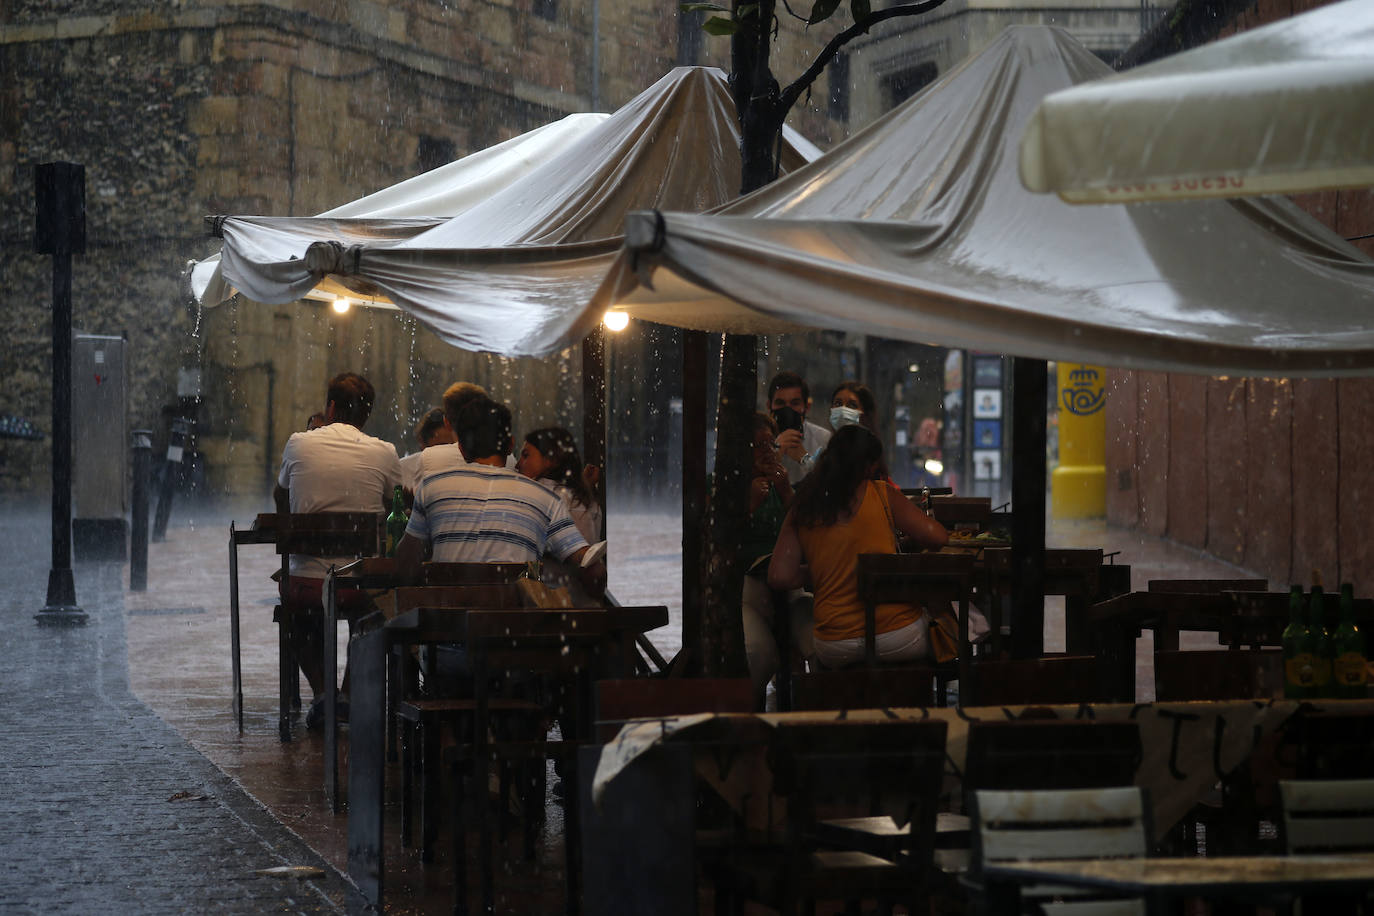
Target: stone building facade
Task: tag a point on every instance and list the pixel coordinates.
(183, 108)
(187, 108)
(1272, 475)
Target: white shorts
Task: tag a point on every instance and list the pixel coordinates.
(907, 643)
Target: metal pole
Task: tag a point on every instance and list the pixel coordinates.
(594, 404)
(138, 549)
(177, 441)
(1028, 416)
(694, 382)
(61, 231)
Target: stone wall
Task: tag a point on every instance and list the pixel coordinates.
(1269, 474)
(184, 108)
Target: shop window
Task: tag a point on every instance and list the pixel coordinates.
(903, 84)
(432, 152)
(838, 109)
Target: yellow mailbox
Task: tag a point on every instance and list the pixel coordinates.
(1078, 487)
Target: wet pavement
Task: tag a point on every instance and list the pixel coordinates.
(106, 807)
(129, 788)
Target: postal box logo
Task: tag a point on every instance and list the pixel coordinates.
(1085, 394)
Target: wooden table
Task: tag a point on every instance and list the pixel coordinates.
(367, 726)
(311, 534)
(1186, 746)
(1257, 879)
(1237, 617)
(262, 531)
(367, 573)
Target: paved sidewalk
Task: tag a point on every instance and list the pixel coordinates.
(104, 807)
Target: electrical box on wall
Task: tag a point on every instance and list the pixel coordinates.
(100, 450)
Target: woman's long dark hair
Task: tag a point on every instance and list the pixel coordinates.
(842, 467)
(556, 444)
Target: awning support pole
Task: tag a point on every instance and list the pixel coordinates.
(1028, 418)
(694, 385)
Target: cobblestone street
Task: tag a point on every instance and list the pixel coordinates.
(106, 807)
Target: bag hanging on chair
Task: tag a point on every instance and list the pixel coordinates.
(943, 623)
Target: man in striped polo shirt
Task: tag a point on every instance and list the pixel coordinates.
(485, 512)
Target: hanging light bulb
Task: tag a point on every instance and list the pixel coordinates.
(342, 304)
(616, 321)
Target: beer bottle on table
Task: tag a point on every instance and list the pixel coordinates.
(1348, 666)
(1318, 642)
(395, 523)
(1297, 666)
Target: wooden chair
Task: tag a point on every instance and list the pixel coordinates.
(1225, 616)
(424, 715)
(1329, 817)
(325, 534)
(958, 511)
(1206, 586)
(1051, 754)
(1233, 817)
(472, 573)
(1221, 674)
(917, 578)
(1332, 745)
(1051, 680)
(1060, 824)
(620, 700)
(844, 767)
(866, 688)
(566, 644)
(1074, 573)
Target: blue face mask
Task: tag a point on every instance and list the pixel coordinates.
(844, 416)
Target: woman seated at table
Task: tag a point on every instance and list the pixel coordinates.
(550, 456)
(841, 511)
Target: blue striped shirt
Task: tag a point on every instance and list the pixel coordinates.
(474, 513)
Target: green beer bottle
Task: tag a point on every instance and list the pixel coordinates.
(1348, 670)
(1297, 667)
(395, 523)
(1317, 643)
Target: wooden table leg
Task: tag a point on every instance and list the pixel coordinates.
(234, 627)
(331, 696)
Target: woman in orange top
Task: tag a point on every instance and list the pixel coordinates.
(839, 512)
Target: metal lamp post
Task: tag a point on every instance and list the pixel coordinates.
(61, 232)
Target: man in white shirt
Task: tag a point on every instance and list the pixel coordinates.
(789, 395)
(430, 431)
(336, 468)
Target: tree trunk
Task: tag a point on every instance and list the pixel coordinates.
(728, 516)
(722, 627)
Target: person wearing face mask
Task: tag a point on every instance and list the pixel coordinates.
(799, 440)
(852, 403)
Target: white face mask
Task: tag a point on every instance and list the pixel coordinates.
(844, 416)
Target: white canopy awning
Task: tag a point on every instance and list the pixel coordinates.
(513, 272)
(1279, 109)
(436, 195)
(918, 228)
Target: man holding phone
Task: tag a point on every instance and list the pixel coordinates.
(799, 440)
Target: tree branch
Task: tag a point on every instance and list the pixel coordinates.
(1188, 23)
(802, 83)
